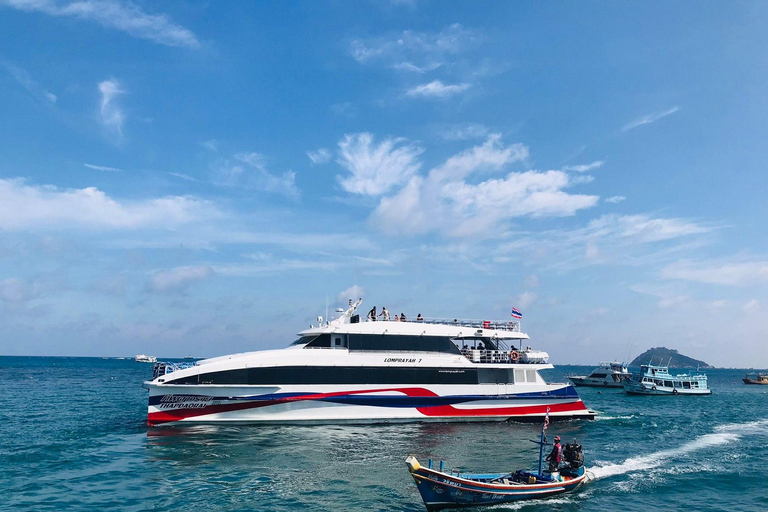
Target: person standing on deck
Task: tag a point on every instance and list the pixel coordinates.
(555, 456)
(372, 314)
(384, 313)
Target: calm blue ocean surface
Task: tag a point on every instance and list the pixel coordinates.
(73, 437)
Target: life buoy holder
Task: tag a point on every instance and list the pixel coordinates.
(674, 391)
(653, 388)
(514, 355)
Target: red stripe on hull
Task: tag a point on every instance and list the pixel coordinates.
(440, 411)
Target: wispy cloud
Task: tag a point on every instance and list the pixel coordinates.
(648, 118)
(177, 279)
(26, 81)
(102, 168)
(415, 51)
(248, 170)
(726, 273)
(184, 177)
(124, 16)
(376, 168)
(437, 90)
(585, 167)
(211, 145)
(466, 131)
(25, 206)
(413, 68)
(319, 157)
(615, 199)
(112, 116)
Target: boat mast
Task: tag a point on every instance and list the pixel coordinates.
(542, 441)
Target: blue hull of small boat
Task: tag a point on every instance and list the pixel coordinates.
(441, 490)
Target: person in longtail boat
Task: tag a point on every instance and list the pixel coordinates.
(556, 455)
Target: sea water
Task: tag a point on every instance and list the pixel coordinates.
(73, 437)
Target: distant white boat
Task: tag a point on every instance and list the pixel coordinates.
(141, 358)
(656, 380)
(609, 374)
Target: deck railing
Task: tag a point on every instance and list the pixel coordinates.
(459, 322)
(164, 368)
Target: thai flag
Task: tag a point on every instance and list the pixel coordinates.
(516, 313)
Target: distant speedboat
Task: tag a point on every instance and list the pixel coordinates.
(141, 358)
(607, 374)
(656, 380)
(756, 378)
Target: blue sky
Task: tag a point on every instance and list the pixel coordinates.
(201, 178)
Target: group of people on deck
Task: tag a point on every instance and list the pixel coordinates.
(372, 316)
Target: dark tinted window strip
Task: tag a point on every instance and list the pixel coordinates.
(286, 375)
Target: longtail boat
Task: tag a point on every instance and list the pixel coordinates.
(441, 488)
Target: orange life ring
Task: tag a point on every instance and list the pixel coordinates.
(514, 356)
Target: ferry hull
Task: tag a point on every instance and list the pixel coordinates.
(372, 404)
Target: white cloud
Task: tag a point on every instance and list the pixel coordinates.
(717, 272)
(752, 305)
(376, 168)
(465, 131)
(648, 118)
(525, 299)
(491, 155)
(26, 81)
(124, 16)
(103, 168)
(25, 206)
(177, 279)
(16, 291)
(437, 89)
(615, 199)
(446, 201)
(248, 170)
(319, 157)
(584, 168)
(112, 115)
(353, 292)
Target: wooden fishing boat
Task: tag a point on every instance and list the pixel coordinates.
(441, 489)
(756, 378)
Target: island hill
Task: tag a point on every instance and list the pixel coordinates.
(663, 355)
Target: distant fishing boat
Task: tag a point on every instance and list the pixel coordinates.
(441, 489)
(656, 380)
(756, 378)
(141, 358)
(607, 374)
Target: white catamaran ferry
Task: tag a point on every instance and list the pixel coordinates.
(347, 371)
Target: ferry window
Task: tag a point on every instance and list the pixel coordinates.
(492, 375)
(530, 375)
(599, 375)
(694, 384)
(401, 343)
(519, 376)
(320, 341)
(678, 384)
(668, 383)
(687, 385)
(303, 340)
(658, 382)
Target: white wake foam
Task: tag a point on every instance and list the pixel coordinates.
(656, 459)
